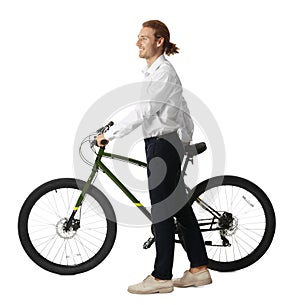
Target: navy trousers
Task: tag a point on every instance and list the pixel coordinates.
(168, 200)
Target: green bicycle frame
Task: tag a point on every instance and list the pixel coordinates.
(99, 164)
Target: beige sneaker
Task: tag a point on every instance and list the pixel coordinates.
(151, 285)
(193, 279)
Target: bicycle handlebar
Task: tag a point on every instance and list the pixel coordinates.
(105, 128)
(101, 131)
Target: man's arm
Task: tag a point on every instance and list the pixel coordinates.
(154, 94)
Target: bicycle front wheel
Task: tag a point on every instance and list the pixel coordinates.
(245, 228)
(42, 222)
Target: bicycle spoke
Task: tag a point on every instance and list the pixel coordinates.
(43, 240)
(84, 247)
(47, 207)
(237, 246)
(78, 250)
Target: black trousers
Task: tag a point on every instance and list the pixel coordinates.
(168, 200)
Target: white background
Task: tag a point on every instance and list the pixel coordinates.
(240, 57)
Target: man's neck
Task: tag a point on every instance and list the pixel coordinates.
(152, 59)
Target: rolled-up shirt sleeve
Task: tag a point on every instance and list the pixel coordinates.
(186, 130)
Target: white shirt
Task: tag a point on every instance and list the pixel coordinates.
(162, 108)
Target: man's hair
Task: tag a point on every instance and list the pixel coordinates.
(161, 30)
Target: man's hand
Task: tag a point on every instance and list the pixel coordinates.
(99, 139)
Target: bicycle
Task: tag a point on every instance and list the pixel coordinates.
(68, 226)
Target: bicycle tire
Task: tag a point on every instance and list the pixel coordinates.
(37, 202)
(267, 212)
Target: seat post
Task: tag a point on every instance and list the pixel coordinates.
(186, 161)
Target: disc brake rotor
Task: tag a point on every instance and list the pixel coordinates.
(61, 232)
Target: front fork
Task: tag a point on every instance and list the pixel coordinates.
(75, 223)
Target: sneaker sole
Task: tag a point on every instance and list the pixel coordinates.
(196, 284)
(160, 290)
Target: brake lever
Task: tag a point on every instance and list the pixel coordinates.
(93, 143)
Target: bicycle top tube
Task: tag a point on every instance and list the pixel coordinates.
(124, 159)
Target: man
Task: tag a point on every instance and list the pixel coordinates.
(166, 124)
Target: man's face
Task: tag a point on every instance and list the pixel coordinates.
(147, 44)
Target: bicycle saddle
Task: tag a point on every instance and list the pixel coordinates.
(195, 149)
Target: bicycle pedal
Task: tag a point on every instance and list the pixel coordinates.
(148, 243)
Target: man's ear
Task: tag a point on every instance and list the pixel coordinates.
(160, 41)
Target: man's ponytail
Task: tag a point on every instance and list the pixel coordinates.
(171, 49)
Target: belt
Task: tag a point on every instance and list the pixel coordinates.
(164, 136)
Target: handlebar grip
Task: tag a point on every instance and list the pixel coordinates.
(103, 142)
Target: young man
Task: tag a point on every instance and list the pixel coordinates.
(166, 124)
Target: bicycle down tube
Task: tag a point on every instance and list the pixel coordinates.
(99, 164)
(119, 183)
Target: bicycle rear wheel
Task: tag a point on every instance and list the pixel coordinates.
(246, 227)
(42, 220)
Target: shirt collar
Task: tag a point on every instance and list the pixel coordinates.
(149, 70)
